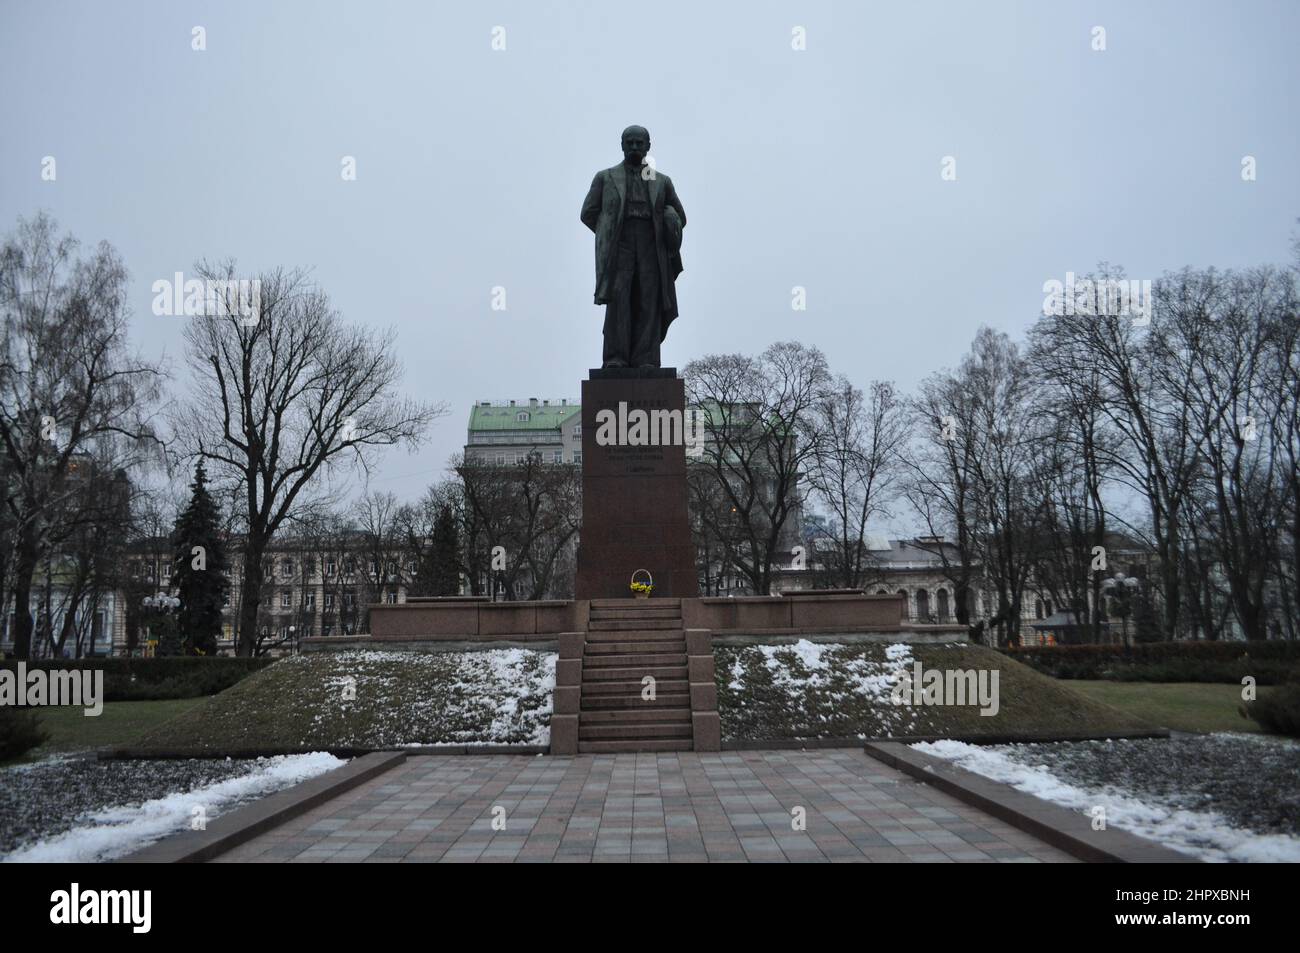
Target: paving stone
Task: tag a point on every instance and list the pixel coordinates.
(684, 807)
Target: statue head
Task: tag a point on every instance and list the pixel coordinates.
(636, 143)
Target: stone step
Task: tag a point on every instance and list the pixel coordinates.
(647, 744)
(630, 603)
(626, 660)
(633, 732)
(635, 672)
(635, 648)
(626, 716)
(663, 686)
(648, 612)
(635, 702)
(617, 625)
(636, 635)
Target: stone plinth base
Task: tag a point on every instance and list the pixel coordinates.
(634, 485)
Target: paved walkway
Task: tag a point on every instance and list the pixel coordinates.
(733, 806)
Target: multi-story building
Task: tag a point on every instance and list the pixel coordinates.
(506, 432)
(916, 569)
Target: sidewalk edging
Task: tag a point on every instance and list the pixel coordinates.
(230, 830)
(1061, 828)
(779, 744)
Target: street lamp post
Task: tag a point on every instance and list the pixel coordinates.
(1121, 589)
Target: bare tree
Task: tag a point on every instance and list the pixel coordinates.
(941, 482)
(283, 399)
(524, 519)
(971, 473)
(1282, 431)
(1076, 447)
(381, 537)
(1158, 452)
(1215, 349)
(69, 389)
(996, 376)
(760, 435)
(853, 470)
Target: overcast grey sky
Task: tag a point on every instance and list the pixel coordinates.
(818, 168)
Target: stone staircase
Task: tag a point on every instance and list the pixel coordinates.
(626, 642)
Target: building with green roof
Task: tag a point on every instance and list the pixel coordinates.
(506, 432)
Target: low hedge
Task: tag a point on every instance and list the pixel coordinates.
(151, 679)
(1278, 710)
(1268, 662)
(20, 731)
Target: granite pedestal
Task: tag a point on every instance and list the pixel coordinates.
(634, 485)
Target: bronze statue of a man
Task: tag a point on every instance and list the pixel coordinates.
(638, 220)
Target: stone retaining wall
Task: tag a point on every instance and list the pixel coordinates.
(802, 614)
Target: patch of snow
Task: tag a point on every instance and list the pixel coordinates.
(1205, 834)
(121, 829)
(825, 663)
(506, 693)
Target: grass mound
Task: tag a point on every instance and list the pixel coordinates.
(369, 699)
(807, 691)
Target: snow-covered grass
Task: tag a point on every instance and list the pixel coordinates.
(816, 686)
(376, 699)
(117, 829)
(1159, 811)
(836, 690)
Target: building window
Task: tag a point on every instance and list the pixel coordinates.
(501, 459)
(286, 567)
(286, 599)
(942, 596)
(922, 605)
(329, 601)
(906, 607)
(577, 456)
(577, 431)
(349, 566)
(349, 600)
(309, 600)
(225, 599)
(557, 456)
(331, 568)
(390, 598)
(522, 416)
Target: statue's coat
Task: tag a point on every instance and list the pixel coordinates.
(602, 212)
